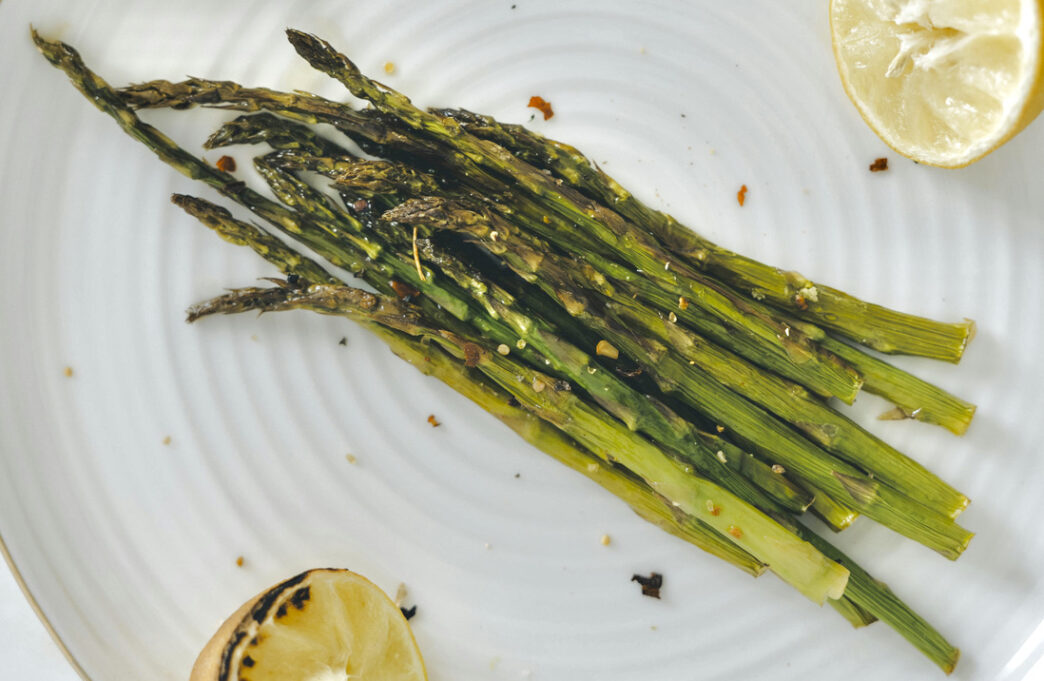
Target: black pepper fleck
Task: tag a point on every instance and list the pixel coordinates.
(650, 585)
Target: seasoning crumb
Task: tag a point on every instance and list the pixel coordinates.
(503, 349)
(673, 318)
(541, 105)
(538, 385)
(166, 440)
(651, 585)
(433, 421)
(741, 195)
(254, 337)
(68, 372)
(606, 349)
(878, 165)
(343, 341)
(521, 344)
(488, 546)
(350, 458)
(592, 467)
(652, 627)
(776, 468)
(735, 531)
(720, 429)
(239, 561)
(712, 508)
(721, 456)
(400, 594)
(408, 613)
(605, 540)
(226, 164)
(547, 220)
(683, 303)
(389, 67)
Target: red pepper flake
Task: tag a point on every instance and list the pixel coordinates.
(434, 421)
(239, 561)
(735, 531)
(650, 585)
(226, 164)
(404, 291)
(541, 105)
(878, 165)
(741, 195)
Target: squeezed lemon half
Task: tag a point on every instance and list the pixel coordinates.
(322, 625)
(943, 82)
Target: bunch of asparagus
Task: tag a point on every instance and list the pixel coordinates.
(690, 381)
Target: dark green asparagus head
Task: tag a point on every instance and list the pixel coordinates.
(279, 133)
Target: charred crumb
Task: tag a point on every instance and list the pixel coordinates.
(226, 164)
(512, 402)
(518, 475)
(879, 165)
(561, 385)
(408, 613)
(343, 341)
(651, 585)
(541, 105)
(248, 661)
(629, 373)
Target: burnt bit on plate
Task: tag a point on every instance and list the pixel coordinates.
(879, 164)
(408, 613)
(541, 105)
(226, 164)
(343, 341)
(650, 585)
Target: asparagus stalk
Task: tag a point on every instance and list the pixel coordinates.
(826, 375)
(792, 559)
(470, 154)
(878, 327)
(683, 352)
(536, 339)
(877, 600)
(914, 397)
(362, 178)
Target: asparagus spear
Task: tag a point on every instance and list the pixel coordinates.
(792, 559)
(537, 263)
(432, 361)
(536, 339)
(362, 178)
(874, 596)
(826, 375)
(470, 154)
(878, 327)
(914, 397)
(864, 598)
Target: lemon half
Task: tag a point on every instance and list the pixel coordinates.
(322, 625)
(943, 82)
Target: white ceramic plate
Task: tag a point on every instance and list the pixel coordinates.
(129, 545)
